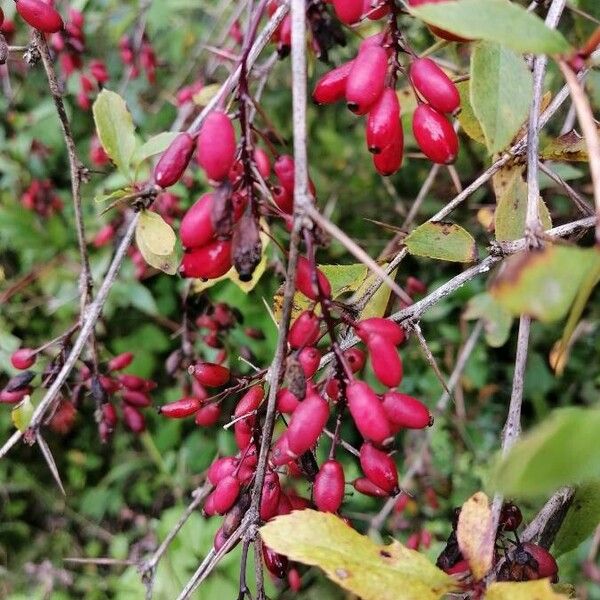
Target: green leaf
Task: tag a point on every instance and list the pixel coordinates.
(581, 520)
(157, 235)
(378, 303)
(353, 560)
(563, 450)
(155, 145)
(498, 21)
(467, 119)
(21, 414)
(444, 241)
(544, 283)
(496, 319)
(115, 129)
(501, 93)
(568, 147)
(511, 211)
(114, 195)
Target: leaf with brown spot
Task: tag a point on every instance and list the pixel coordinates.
(354, 561)
(475, 533)
(523, 590)
(443, 241)
(568, 147)
(503, 178)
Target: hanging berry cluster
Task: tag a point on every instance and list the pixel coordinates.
(41, 198)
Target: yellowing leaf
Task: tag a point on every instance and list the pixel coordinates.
(503, 178)
(444, 241)
(522, 590)
(496, 319)
(544, 283)
(353, 560)
(206, 94)
(467, 119)
(158, 236)
(511, 211)
(21, 414)
(568, 147)
(378, 303)
(475, 534)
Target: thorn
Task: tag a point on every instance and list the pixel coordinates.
(50, 461)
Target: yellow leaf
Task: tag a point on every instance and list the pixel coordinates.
(21, 414)
(378, 303)
(523, 590)
(157, 235)
(206, 94)
(475, 534)
(503, 178)
(165, 262)
(354, 561)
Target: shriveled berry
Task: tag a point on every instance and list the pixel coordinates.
(366, 79)
(209, 262)
(208, 415)
(510, 517)
(403, 410)
(133, 419)
(304, 280)
(307, 423)
(216, 145)
(331, 87)
(120, 361)
(40, 15)
(379, 468)
(348, 11)
(435, 135)
(305, 330)
(225, 494)
(174, 161)
(368, 488)
(379, 326)
(383, 122)
(196, 227)
(385, 360)
(23, 358)
(211, 374)
(179, 409)
(328, 489)
(368, 413)
(434, 85)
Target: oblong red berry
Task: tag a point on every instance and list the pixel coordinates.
(249, 403)
(435, 135)
(284, 199)
(280, 452)
(307, 423)
(196, 227)
(277, 564)
(262, 162)
(23, 358)
(121, 361)
(284, 170)
(179, 409)
(368, 488)
(269, 499)
(368, 413)
(225, 494)
(220, 468)
(133, 419)
(211, 374)
(331, 87)
(14, 396)
(348, 11)
(216, 146)
(309, 359)
(546, 564)
(242, 432)
(356, 359)
(379, 326)
(385, 360)
(135, 398)
(328, 489)
(208, 415)
(109, 414)
(304, 280)
(434, 85)
(287, 402)
(375, 9)
(209, 262)
(379, 468)
(174, 161)
(405, 411)
(305, 330)
(366, 79)
(383, 122)
(389, 160)
(40, 15)
(131, 382)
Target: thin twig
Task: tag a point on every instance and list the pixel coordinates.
(581, 203)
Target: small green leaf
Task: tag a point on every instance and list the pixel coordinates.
(511, 211)
(467, 119)
(581, 520)
(568, 147)
(115, 195)
(115, 129)
(544, 283)
(353, 560)
(21, 414)
(158, 236)
(563, 450)
(498, 21)
(155, 145)
(501, 92)
(496, 319)
(444, 241)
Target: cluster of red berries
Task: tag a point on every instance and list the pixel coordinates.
(41, 198)
(523, 561)
(143, 58)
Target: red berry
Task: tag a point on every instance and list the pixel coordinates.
(280, 452)
(196, 227)
(132, 382)
(286, 401)
(366, 79)
(184, 407)
(109, 415)
(263, 163)
(304, 280)
(389, 160)
(269, 500)
(225, 494)
(242, 434)
(510, 517)
(249, 403)
(435, 135)
(415, 286)
(220, 468)
(547, 566)
(40, 15)
(331, 87)
(356, 359)
(216, 146)
(208, 415)
(383, 122)
(376, 9)
(104, 236)
(368, 488)
(307, 423)
(209, 262)
(284, 199)
(15, 396)
(385, 360)
(405, 411)
(328, 489)
(133, 418)
(379, 468)
(138, 399)
(211, 374)
(277, 564)
(1, 17)
(174, 161)
(305, 330)
(309, 358)
(294, 580)
(379, 326)
(368, 413)
(120, 361)
(434, 85)
(348, 11)
(23, 358)
(284, 170)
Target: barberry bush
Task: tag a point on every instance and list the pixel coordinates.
(299, 299)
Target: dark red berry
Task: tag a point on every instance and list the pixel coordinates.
(277, 564)
(510, 517)
(304, 280)
(379, 468)
(135, 398)
(366, 79)
(389, 160)
(225, 494)
(174, 161)
(133, 419)
(307, 423)
(269, 500)
(331, 87)
(208, 415)
(40, 15)
(209, 262)
(216, 146)
(383, 122)
(405, 411)
(546, 564)
(348, 11)
(328, 489)
(211, 374)
(368, 413)
(23, 358)
(434, 85)
(184, 407)
(435, 135)
(368, 488)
